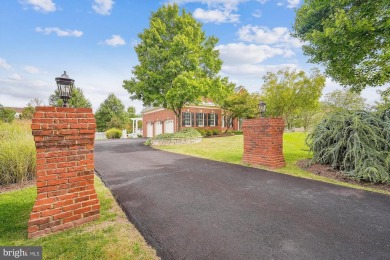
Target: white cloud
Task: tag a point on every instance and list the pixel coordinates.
(257, 13)
(59, 32)
(216, 16)
(262, 1)
(240, 53)
(4, 64)
(293, 3)
(44, 6)
(32, 69)
(220, 11)
(254, 70)
(115, 40)
(103, 7)
(264, 35)
(15, 77)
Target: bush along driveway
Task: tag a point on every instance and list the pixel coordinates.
(195, 208)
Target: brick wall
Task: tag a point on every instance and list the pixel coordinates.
(263, 142)
(64, 140)
(165, 114)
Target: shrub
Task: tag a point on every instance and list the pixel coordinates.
(185, 133)
(237, 132)
(113, 133)
(216, 132)
(357, 143)
(209, 132)
(17, 153)
(202, 132)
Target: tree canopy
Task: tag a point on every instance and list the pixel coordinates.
(340, 100)
(351, 38)
(239, 105)
(177, 62)
(288, 92)
(111, 113)
(77, 100)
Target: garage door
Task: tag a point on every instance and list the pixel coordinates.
(168, 126)
(158, 128)
(149, 130)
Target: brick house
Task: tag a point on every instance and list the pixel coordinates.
(207, 115)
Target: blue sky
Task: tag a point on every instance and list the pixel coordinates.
(93, 40)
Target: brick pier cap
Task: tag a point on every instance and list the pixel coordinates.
(64, 140)
(263, 142)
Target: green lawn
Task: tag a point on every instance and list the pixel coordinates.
(110, 237)
(230, 149)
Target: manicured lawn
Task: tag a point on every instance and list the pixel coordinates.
(110, 237)
(230, 149)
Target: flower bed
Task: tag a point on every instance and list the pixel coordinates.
(177, 141)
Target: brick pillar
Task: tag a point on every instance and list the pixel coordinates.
(263, 142)
(64, 139)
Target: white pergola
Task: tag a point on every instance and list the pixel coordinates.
(136, 131)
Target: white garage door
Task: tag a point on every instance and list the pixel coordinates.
(168, 126)
(158, 128)
(149, 130)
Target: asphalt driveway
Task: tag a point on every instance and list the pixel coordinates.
(191, 208)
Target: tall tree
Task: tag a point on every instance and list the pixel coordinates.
(239, 105)
(351, 38)
(340, 100)
(111, 113)
(288, 92)
(77, 100)
(177, 62)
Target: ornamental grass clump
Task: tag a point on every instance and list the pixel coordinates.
(113, 133)
(17, 153)
(356, 143)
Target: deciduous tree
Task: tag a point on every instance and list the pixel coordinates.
(177, 62)
(289, 92)
(340, 100)
(111, 113)
(7, 115)
(351, 38)
(77, 100)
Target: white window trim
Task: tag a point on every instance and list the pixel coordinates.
(185, 124)
(213, 119)
(200, 125)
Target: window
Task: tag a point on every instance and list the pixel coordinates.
(211, 119)
(199, 119)
(187, 119)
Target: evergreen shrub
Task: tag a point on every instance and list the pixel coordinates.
(356, 143)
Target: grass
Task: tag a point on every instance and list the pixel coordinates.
(17, 152)
(110, 237)
(230, 149)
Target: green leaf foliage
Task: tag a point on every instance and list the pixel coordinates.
(340, 100)
(77, 100)
(351, 38)
(289, 92)
(113, 133)
(357, 143)
(111, 114)
(177, 62)
(7, 115)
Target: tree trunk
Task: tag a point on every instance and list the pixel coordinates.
(178, 116)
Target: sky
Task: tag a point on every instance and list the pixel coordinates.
(93, 41)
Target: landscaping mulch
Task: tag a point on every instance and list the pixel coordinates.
(16, 186)
(328, 172)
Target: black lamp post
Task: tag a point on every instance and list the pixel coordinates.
(65, 87)
(262, 108)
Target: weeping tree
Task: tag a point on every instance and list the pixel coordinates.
(356, 143)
